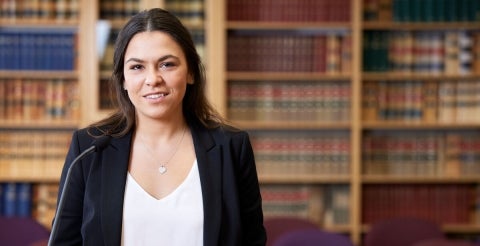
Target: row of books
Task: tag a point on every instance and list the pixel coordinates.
(433, 52)
(39, 99)
(38, 49)
(15, 199)
(33, 153)
(452, 101)
(296, 153)
(426, 154)
(29, 200)
(37, 10)
(44, 202)
(422, 10)
(190, 12)
(289, 52)
(118, 9)
(324, 205)
(288, 10)
(289, 101)
(441, 203)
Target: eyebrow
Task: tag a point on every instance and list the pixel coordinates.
(163, 58)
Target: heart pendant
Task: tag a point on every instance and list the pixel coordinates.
(162, 169)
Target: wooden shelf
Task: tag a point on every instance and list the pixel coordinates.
(420, 26)
(418, 125)
(344, 229)
(399, 76)
(456, 228)
(217, 29)
(304, 179)
(447, 228)
(285, 125)
(283, 76)
(37, 74)
(35, 171)
(38, 124)
(262, 25)
(397, 179)
(39, 23)
(34, 178)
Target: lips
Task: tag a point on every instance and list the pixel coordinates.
(156, 95)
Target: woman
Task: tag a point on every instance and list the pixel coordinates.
(173, 172)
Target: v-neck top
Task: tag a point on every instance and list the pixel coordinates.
(174, 220)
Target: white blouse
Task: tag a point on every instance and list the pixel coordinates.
(175, 220)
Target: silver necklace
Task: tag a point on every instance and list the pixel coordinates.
(163, 166)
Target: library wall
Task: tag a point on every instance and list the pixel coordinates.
(358, 111)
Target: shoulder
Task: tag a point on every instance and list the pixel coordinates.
(85, 136)
(227, 132)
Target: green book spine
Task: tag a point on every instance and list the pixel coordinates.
(406, 10)
(396, 10)
(451, 10)
(439, 10)
(414, 11)
(429, 10)
(463, 11)
(366, 51)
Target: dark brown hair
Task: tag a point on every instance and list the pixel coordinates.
(195, 104)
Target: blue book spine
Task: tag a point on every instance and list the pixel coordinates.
(3, 50)
(24, 201)
(8, 199)
(67, 54)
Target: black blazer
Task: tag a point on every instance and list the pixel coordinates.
(93, 208)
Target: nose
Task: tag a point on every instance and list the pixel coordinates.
(152, 77)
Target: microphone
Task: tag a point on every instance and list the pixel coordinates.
(97, 145)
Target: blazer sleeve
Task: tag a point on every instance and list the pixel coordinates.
(70, 217)
(250, 197)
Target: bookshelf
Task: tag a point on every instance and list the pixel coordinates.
(418, 132)
(292, 84)
(275, 105)
(331, 127)
(40, 101)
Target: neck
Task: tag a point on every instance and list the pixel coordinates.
(156, 130)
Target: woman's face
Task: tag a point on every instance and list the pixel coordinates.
(156, 75)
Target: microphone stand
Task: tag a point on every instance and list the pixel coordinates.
(65, 187)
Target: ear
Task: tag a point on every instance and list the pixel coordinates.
(190, 80)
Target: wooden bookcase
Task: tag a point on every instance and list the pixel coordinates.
(302, 129)
(40, 101)
(223, 29)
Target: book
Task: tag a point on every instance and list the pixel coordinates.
(23, 200)
(303, 201)
(9, 197)
(430, 102)
(44, 203)
(293, 11)
(440, 203)
(38, 49)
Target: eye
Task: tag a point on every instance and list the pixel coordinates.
(136, 67)
(166, 65)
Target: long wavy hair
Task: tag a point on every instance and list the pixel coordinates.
(195, 103)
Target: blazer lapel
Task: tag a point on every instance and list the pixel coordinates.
(210, 169)
(114, 161)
